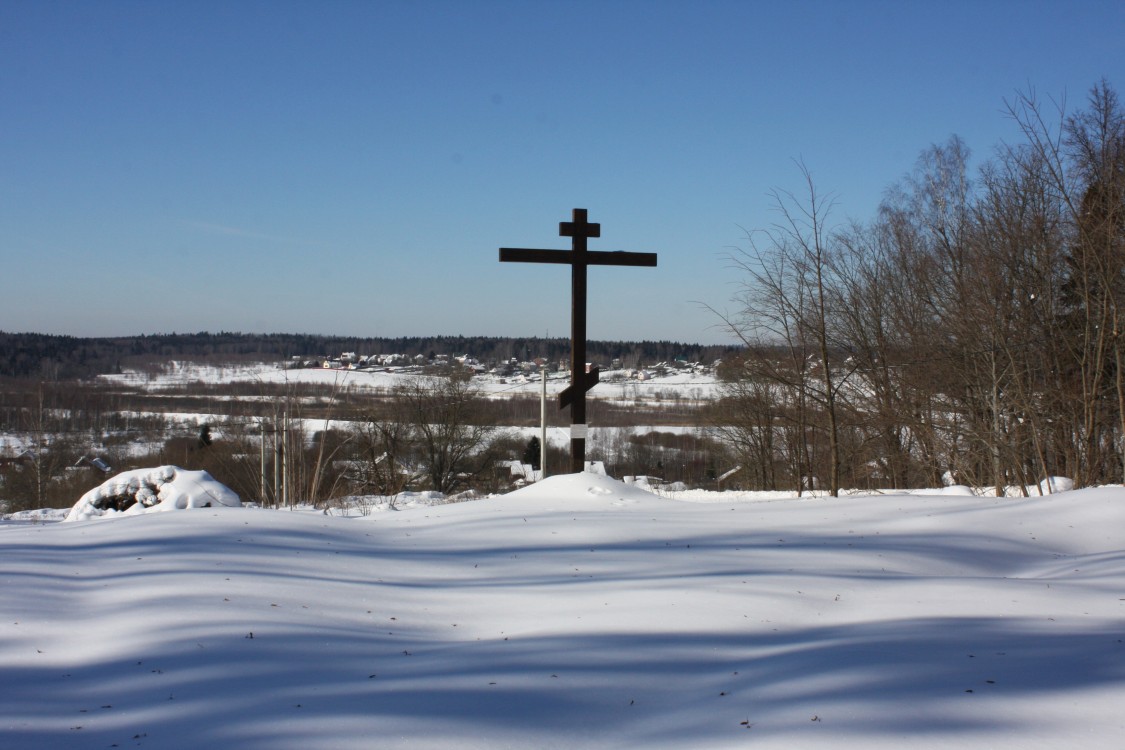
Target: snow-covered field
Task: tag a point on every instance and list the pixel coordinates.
(578, 612)
(685, 386)
(614, 384)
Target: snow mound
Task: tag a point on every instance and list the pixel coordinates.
(584, 486)
(1051, 485)
(40, 515)
(150, 490)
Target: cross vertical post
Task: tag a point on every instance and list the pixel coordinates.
(579, 257)
(578, 230)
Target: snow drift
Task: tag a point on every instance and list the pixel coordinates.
(578, 613)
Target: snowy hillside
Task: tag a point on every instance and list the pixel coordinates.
(579, 612)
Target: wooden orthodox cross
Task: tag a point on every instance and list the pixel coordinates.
(578, 257)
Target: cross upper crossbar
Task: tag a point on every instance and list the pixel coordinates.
(579, 227)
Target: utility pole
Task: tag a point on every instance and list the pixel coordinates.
(543, 424)
(262, 460)
(285, 458)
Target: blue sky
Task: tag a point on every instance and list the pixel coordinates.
(352, 167)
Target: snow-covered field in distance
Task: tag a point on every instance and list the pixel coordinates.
(688, 387)
(614, 384)
(578, 612)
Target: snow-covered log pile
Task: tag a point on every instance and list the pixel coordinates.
(148, 490)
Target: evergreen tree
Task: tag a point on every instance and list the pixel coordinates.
(531, 453)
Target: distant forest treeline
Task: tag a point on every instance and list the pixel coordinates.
(51, 358)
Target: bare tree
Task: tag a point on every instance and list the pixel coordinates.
(788, 300)
(873, 294)
(435, 427)
(1019, 242)
(452, 429)
(746, 418)
(1081, 160)
(387, 453)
